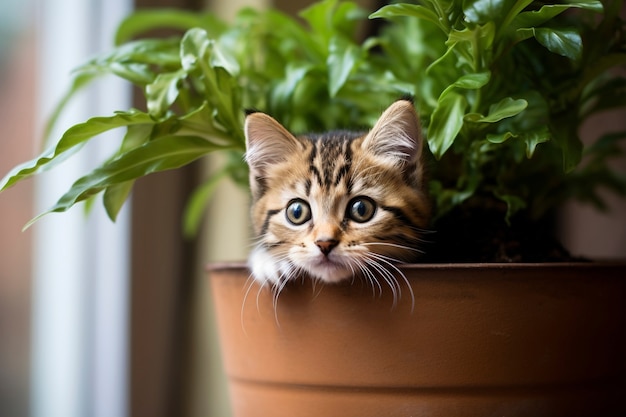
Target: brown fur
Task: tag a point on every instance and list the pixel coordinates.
(328, 172)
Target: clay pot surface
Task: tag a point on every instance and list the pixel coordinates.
(464, 340)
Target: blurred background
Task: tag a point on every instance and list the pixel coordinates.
(115, 320)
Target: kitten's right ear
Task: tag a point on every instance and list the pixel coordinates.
(396, 137)
(267, 142)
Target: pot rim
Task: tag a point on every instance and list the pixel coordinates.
(603, 263)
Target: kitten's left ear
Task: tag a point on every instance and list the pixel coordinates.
(267, 141)
(267, 144)
(396, 136)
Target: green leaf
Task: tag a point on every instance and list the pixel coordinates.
(319, 14)
(593, 5)
(513, 204)
(446, 122)
(163, 92)
(513, 12)
(342, 58)
(136, 135)
(115, 196)
(137, 62)
(197, 48)
(534, 138)
(193, 48)
(442, 64)
(346, 17)
(407, 10)
(292, 35)
(217, 80)
(73, 138)
(138, 74)
(500, 137)
(482, 11)
(282, 93)
(565, 42)
(507, 107)
(473, 81)
(201, 123)
(547, 12)
(142, 21)
(472, 46)
(222, 58)
(162, 154)
(147, 52)
(330, 18)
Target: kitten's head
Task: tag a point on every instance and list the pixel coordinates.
(336, 204)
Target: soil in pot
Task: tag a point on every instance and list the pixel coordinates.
(477, 231)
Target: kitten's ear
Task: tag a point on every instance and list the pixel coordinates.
(267, 142)
(396, 136)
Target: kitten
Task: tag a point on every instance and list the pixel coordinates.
(339, 204)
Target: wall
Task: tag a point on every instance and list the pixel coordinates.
(17, 104)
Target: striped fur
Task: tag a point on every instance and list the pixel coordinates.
(336, 177)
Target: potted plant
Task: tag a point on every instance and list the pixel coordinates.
(501, 89)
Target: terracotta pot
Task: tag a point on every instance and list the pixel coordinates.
(480, 340)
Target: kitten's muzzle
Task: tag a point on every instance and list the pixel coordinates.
(326, 245)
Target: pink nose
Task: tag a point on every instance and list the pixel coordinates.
(326, 245)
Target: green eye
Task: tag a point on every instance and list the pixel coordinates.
(298, 212)
(361, 209)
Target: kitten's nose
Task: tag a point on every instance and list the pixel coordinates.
(326, 245)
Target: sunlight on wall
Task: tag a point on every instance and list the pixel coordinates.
(80, 280)
(17, 101)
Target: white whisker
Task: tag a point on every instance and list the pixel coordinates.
(387, 276)
(374, 279)
(371, 278)
(288, 274)
(390, 262)
(249, 284)
(393, 245)
(316, 292)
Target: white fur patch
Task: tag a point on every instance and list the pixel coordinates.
(265, 268)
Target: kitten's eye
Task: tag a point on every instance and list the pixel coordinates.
(361, 209)
(298, 212)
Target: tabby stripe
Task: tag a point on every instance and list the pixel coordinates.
(325, 161)
(400, 215)
(314, 171)
(317, 175)
(313, 153)
(350, 184)
(343, 171)
(266, 223)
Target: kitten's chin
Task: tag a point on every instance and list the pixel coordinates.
(267, 269)
(329, 271)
